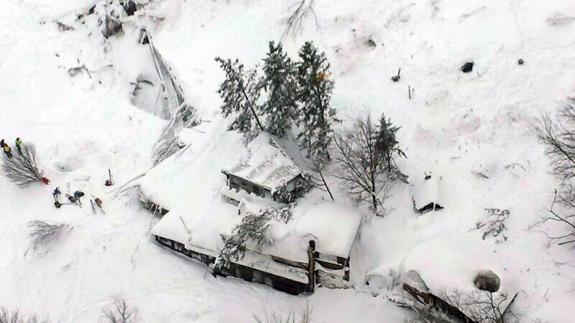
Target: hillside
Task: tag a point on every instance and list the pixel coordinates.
(471, 130)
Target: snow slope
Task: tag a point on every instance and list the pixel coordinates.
(456, 125)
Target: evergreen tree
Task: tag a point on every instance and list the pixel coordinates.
(316, 114)
(280, 84)
(253, 228)
(240, 91)
(387, 145)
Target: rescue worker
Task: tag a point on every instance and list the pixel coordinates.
(77, 196)
(19, 145)
(7, 150)
(98, 202)
(56, 194)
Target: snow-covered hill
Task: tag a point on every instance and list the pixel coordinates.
(456, 126)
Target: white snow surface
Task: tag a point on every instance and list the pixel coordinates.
(456, 124)
(426, 191)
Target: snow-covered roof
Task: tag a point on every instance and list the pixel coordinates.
(201, 227)
(332, 226)
(427, 190)
(262, 262)
(198, 214)
(265, 163)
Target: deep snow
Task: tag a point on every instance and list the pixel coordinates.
(456, 125)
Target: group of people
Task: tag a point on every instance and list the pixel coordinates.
(7, 150)
(76, 198)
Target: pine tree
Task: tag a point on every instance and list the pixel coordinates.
(240, 91)
(253, 228)
(316, 115)
(387, 144)
(280, 84)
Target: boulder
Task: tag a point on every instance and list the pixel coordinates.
(467, 67)
(487, 280)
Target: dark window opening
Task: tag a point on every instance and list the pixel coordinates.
(330, 265)
(430, 207)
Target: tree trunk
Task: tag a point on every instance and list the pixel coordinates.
(325, 184)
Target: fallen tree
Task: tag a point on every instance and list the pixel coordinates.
(22, 167)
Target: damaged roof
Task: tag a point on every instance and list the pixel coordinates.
(265, 164)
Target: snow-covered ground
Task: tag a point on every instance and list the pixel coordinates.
(456, 126)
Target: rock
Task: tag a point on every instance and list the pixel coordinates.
(130, 7)
(520, 61)
(487, 280)
(467, 67)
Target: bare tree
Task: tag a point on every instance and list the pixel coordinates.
(481, 306)
(120, 312)
(457, 306)
(304, 317)
(559, 140)
(568, 221)
(362, 167)
(7, 316)
(294, 21)
(43, 234)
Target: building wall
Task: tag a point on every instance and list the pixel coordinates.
(241, 184)
(237, 270)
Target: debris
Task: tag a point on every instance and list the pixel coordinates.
(143, 37)
(467, 67)
(109, 180)
(396, 78)
(520, 61)
(73, 71)
(433, 302)
(493, 225)
(64, 27)
(93, 206)
(559, 19)
(112, 27)
(371, 43)
(130, 7)
(479, 174)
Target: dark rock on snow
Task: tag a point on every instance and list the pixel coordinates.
(487, 280)
(467, 67)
